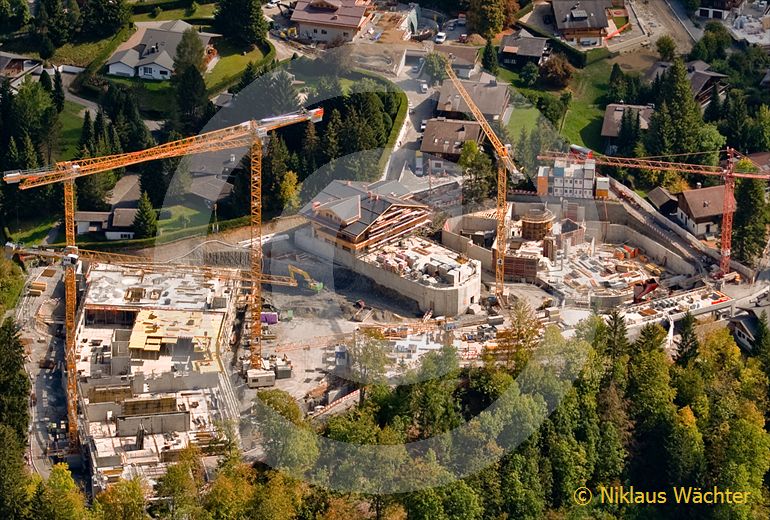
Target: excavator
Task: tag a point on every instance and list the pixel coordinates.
(311, 284)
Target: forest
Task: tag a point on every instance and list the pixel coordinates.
(538, 418)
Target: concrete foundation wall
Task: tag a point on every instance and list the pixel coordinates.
(447, 301)
(98, 411)
(170, 382)
(619, 234)
(466, 246)
(155, 423)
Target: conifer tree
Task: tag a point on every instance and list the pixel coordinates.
(58, 88)
(146, 220)
(45, 81)
(489, 58)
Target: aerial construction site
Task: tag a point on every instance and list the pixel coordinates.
(137, 360)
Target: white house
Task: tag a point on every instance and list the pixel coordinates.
(116, 225)
(149, 54)
(700, 211)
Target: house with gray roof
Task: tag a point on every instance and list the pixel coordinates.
(358, 216)
(149, 54)
(581, 21)
(516, 50)
(444, 137)
(491, 96)
(702, 79)
(16, 67)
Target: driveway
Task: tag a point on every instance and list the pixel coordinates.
(67, 80)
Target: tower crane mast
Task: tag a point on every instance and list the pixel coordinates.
(505, 165)
(246, 134)
(728, 173)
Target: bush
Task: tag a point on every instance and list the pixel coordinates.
(156, 12)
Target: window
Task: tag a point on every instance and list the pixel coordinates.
(345, 34)
(125, 235)
(323, 31)
(315, 31)
(164, 73)
(147, 71)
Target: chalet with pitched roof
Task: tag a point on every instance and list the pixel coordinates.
(700, 211)
(358, 216)
(331, 20)
(516, 50)
(152, 54)
(581, 21)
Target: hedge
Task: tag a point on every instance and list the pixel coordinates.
(232, 79)
(171, 236)
(398, 121)
(148, 7)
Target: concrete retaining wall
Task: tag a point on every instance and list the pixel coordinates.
(447, 301)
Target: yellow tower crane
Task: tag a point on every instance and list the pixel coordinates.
(504, 165)
(246, 134)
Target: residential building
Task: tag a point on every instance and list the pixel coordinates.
(464, 59)
(331, 20)
(663, 200)
(492, 99)
(15, 67)
(571, 180)
(744, 328)
(516, 50)
(613, 115)
(702, 79)
(762, 160)
(114, 225)
(581, 21)
(718, 9)
(149, 53)
(700, 211)
(444, 137)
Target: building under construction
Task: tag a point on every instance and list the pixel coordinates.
(148, 370)
(370, 229)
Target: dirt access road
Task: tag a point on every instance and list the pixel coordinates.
(176, 250)
(659, 19)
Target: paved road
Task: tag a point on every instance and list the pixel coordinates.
(67, 80)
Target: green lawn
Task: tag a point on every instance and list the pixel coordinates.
(522, 117)
(31, 232)
(203, 11)
(79, 54)
(155, 98)
(71, 126)
(231, 63)
(620, 21)
(583, 122)
(178, 214)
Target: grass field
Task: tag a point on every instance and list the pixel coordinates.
(79, 54)
(31, 232)
(203, 11)
(231, 63)
(71, 126)
(583, 122)
(177, 217)
(155, 98)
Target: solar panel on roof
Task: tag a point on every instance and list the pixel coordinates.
(579, 14)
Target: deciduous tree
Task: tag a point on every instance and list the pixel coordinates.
(666, 47)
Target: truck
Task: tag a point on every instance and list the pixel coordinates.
(418, 167)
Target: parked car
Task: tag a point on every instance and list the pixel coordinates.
(272, 3)
(416, 69)
(440, 37)
(411, 107)
(423, 124)
(424, 88)
(463, 38)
